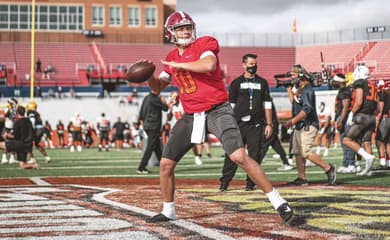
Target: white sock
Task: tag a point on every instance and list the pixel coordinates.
(388, 162)
(382, 162)
(318, 149)
(169, 210)
(275, 198)
(365, 154)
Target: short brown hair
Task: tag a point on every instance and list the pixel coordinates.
(21, 110)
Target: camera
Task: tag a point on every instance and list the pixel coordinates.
(285, 82)
(315, 79)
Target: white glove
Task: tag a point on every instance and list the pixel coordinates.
(322, 130)
(349, 119)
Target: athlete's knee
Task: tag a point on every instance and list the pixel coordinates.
(346, 140)
(239, 156)
(167, 165)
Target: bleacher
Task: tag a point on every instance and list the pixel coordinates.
(339, 55)
(378, 59)
(271, 61)
(63, 57)
(71, 60)
(115, 55)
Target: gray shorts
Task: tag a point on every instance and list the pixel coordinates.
(384, 130)
(220, 121)
(362, 127)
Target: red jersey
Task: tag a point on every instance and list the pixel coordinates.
(198, 91)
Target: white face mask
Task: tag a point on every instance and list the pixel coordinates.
(184, 41)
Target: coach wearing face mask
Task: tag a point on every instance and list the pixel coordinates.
(251, 101)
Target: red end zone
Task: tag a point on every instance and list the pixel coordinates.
(116, 208)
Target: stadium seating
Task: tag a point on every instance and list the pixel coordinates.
(62, 57)
(115, 55)
(271, 61)
(335, 54)
(110, 61)
(378, 59)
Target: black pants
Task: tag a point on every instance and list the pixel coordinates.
(153, 144)
(275, 143)
(251, 136)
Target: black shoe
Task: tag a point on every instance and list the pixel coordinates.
(250, 188)
(286, 212)
(158, 218)
(298, 182)
(223, 187)
(331, 173)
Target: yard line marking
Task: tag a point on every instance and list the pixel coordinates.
(210, 233)
(39, 181)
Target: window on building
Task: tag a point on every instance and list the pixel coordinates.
(151, 17)
(47, 17)
(97, 15)
(133, 16)
(115, 16)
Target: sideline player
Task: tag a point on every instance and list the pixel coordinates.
(324, 118)
(39, 130)
(195, 69)
(362, 117)
(20, 140)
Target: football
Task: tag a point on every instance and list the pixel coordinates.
(140, 71)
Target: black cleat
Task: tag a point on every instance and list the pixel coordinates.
(298, 182)
(250, 188)
(223, 187)
(331, 173)
(286, 212)
(158, 218)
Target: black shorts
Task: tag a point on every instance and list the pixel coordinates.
(38, 133)
(76, 135)
(104, 135)
(362, 127)
(219, 121)
(20, 148)
(119, 137)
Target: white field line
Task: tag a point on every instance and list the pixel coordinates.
(156, 175)
(39, 181)
(210, 233)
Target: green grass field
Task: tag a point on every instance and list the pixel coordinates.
(91, 162)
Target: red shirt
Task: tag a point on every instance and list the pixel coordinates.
(198, 91)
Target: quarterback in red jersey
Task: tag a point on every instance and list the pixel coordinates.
(194, 67)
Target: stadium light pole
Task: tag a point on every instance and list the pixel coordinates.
(32, 70)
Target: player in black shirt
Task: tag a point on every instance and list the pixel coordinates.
(21, 139)
(119, 128)
(362, 117)
(39, 130)
(342, 105)
(383, 130)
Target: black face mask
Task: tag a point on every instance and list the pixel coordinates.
(252, 69)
